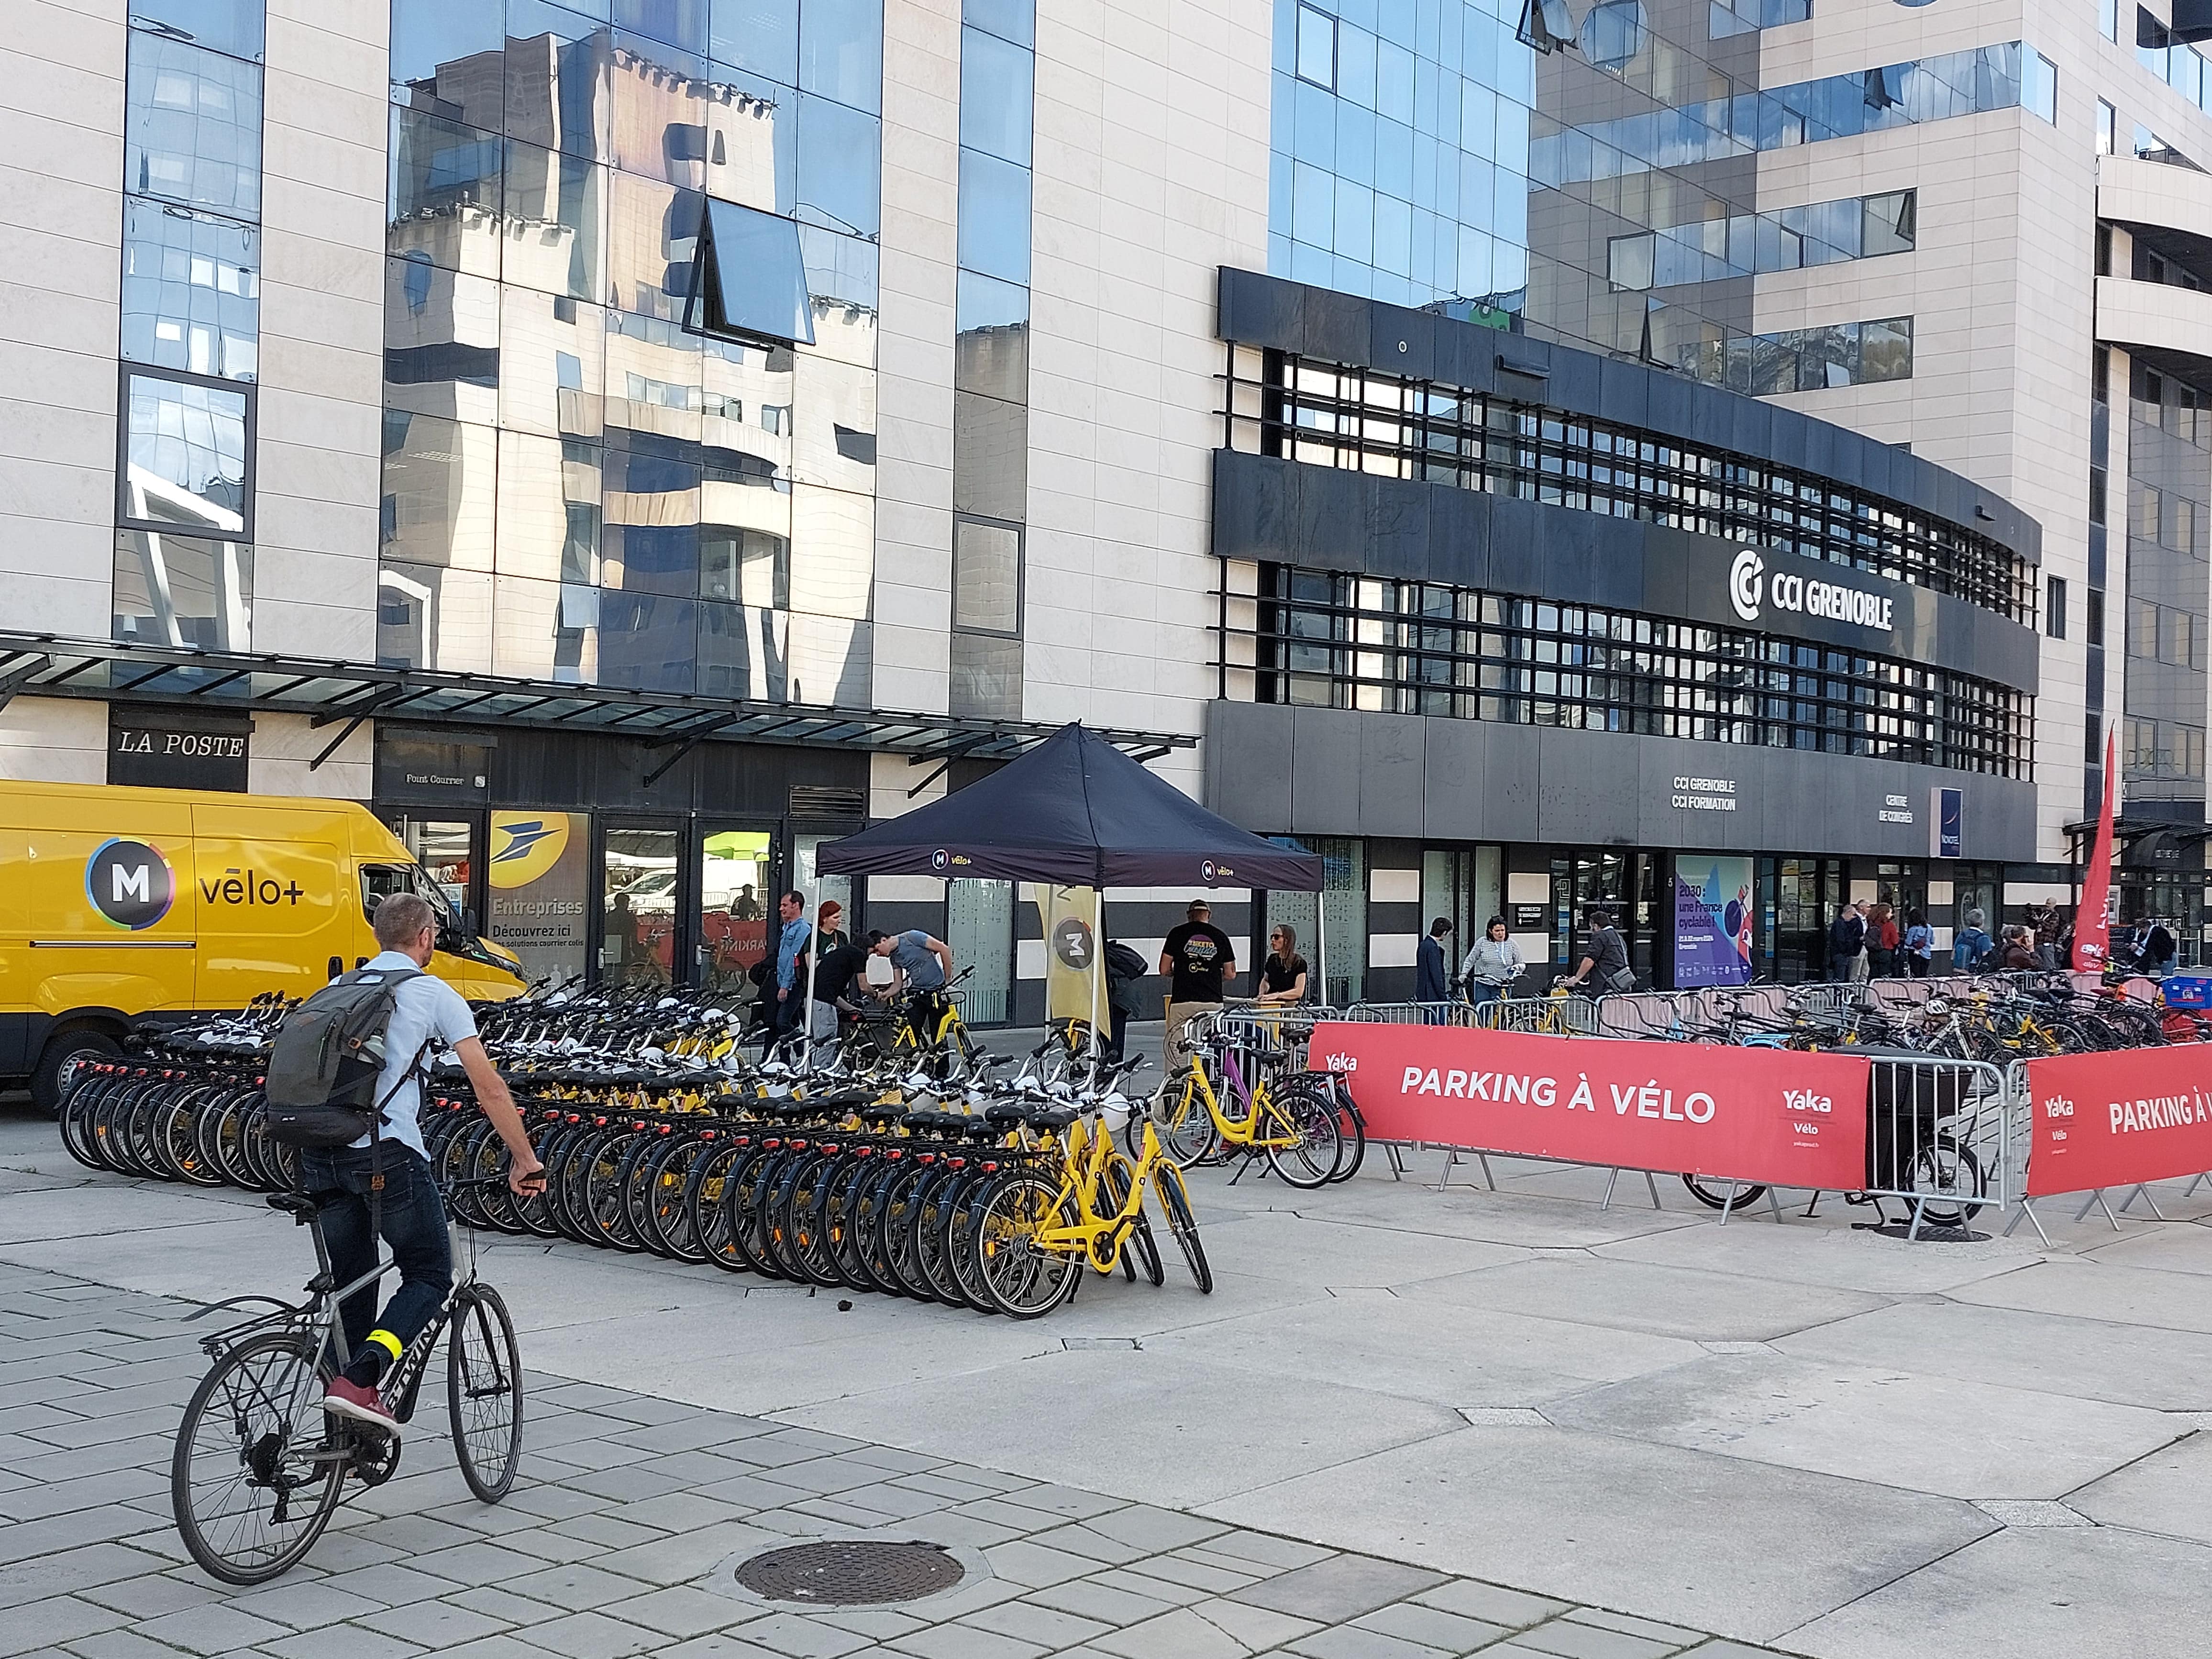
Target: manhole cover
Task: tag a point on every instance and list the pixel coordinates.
(856, 1573)
(1929, 1233)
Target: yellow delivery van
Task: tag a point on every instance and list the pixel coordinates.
(117, 904)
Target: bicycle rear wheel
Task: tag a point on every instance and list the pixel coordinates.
(1174, 1202)
(1951, 1177)
(256, 1472)
(1187, 1128)
(1714, 1194)
(483, 1392)
(1021, 1279)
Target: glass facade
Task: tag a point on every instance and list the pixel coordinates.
(990, 372)
(183, 573)
(1595, 180)
(630, 430)
(2169, 529)
(1387, 425)
(1426, 649)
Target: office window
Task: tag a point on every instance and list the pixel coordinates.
(192, 126)
(986, 576)
(186, 456)
(191, 287)
(229, 25)
(2038, 88)
(2108, 18)
(2108, 127)
(1316, 47)
(2092, 616)
(841, 51)
(2054, 607)
(994, 217)
(1629, 261)
(750, 280)
(1888, 224)
(182, 591)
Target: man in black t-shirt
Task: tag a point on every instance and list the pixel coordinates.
(1199, 961)
(835, 987)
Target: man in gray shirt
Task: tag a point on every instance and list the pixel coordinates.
(427, 1014)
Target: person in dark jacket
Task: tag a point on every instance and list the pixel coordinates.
(2017, 955)
(2159, 950)
(1125, 972)
(1432, 971)
(1846, 939)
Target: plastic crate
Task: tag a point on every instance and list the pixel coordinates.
(2187, 990)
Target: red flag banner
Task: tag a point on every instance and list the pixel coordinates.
(2092, 936)
(1772, 1115)
(2112, 1119)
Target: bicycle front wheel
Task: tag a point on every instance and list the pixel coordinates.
(1174, 1202)
(1022, 1279)
(483, 1392)
(255, 1476)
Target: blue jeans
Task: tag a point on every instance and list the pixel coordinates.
(412, 1218)
(1479, 993)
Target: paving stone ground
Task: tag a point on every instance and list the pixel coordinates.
(626, 1506)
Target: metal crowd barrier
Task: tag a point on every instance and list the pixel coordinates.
(1568, 1015)
(1411, 1013)
(1940, 1136)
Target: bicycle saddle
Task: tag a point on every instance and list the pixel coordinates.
(1005, 1116)
(1055, 1118)
(302, 1207)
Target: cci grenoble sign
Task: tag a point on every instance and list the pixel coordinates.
(1770, 597)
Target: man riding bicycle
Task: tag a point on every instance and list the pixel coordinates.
(387, 1188)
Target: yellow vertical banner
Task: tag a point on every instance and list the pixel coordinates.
(1074, 955)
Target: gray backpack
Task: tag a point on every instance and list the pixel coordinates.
(328, 1054)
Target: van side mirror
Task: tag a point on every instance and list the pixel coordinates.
(337, 966)
(469, 923)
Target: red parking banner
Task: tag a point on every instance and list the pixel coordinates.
(1772, 1115)
(2113, 1120)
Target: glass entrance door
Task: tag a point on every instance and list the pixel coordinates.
(641, 872)
(1622, 882)
(1798, 898)
(739, 887)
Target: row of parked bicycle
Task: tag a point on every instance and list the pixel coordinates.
(659, 1134)
(1994, 1017)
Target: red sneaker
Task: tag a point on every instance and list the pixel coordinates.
(342, 1398)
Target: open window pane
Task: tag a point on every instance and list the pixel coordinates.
(231, 26)
(186, 464)
(751, 278)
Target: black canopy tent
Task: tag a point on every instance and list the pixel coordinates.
(1074, 811)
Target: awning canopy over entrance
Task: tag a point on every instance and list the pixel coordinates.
(345, 694)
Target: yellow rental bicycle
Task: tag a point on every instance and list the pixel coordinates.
(1292, 1120)
(1034, 1233)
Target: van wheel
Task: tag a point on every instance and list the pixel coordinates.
(58, 1061)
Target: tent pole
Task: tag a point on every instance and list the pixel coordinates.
(813, 962)
(1097, 972)
(1320, 934)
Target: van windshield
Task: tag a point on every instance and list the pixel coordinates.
(379, 882)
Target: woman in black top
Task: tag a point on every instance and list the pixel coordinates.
(1282, 978)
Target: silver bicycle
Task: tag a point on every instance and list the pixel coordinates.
(259, 1467)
